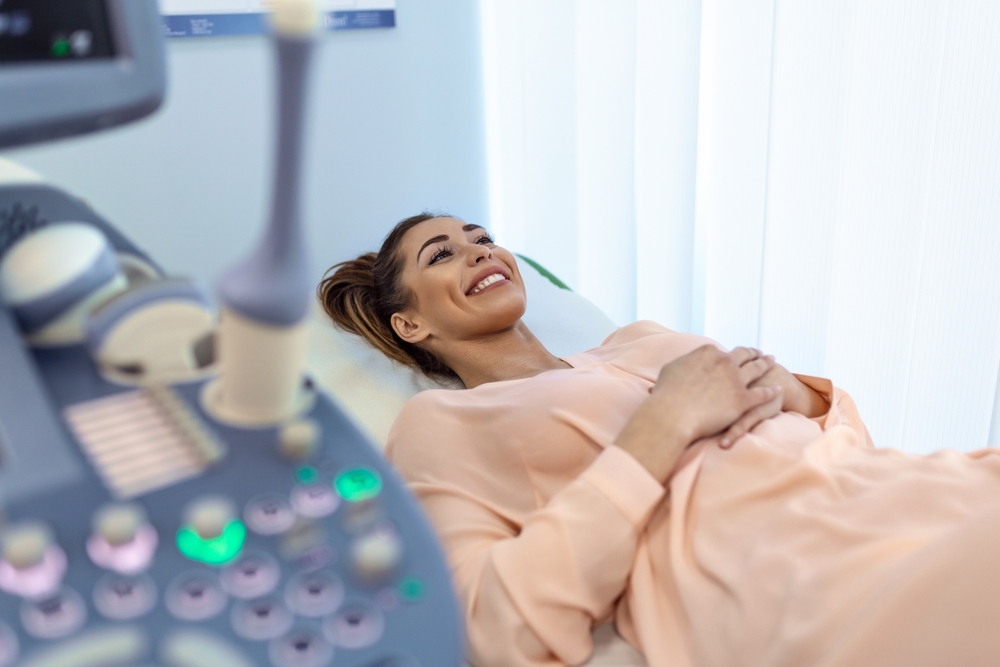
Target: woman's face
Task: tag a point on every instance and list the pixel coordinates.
(463, 286)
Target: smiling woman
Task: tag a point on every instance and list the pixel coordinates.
(720, 510)
(442, 296)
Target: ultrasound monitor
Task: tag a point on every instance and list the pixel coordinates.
(71, 67)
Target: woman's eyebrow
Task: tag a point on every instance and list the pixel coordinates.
(436, 239)
(441, 237)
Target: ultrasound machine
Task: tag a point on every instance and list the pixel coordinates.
(174, 492)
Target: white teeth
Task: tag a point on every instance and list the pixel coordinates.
(487, 281)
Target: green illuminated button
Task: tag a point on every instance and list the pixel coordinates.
(307, 475)
(358, 484)
(411, 589)
(214, 550)
(60, 48)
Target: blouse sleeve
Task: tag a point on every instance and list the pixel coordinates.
(842, 412)
(531, 585)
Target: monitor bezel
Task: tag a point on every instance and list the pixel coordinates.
(46, 100)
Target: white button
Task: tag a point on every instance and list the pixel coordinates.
(260, 619)
(193, 648)
(269, 514)
(314, 594)
(58, 615)
(302, 647)
(355, 626)
(123, 597)
(314, 501)
(80, 42)
(120, 645)
(195, 596)
(254, 574)
(376, 554)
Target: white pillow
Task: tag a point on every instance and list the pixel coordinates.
(564, 321)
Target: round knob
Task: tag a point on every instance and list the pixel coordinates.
(209, 516)
(51, 279)
(377, 554)
(117, 524)
(24, 544)
(299, 440)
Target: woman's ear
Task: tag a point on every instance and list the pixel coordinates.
(409, 329)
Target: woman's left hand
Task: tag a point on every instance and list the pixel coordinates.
(797, 396)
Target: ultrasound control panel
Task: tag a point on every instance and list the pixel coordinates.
(138, 530)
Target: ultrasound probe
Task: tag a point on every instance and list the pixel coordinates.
(266, 298)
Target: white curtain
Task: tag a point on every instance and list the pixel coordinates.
(848, 206)
(820, 179)
(591, 124)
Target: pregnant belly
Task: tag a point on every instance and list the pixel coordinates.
(780, 540)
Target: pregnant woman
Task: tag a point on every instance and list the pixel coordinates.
(718, 509)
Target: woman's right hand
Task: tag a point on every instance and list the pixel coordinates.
(703, 393)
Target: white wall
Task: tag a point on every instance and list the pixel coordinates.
(396, 126)
(852, 227)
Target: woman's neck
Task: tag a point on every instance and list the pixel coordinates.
(512, 354)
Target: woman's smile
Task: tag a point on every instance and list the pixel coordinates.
(489, 278)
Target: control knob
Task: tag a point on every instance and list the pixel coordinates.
(24, 546)
(117, 524)
(299, 439)
(209, 516)
(211, 533)
(122, 539)
(376, 554)
(32, 564)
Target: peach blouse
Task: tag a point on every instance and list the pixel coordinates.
(778, 551)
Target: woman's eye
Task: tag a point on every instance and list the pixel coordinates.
(440, 254)
(485, 239)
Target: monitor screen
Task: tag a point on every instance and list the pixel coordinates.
(46, 30)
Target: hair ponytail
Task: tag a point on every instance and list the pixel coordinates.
(349, 298)
(361, 295)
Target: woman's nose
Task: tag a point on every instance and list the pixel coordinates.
(481, 252)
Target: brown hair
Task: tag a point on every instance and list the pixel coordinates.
(360, 296)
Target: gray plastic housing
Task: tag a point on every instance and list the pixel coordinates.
(48, 100)
(271, 286)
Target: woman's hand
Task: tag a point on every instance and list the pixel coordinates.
(703, 393)
(797, 396)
